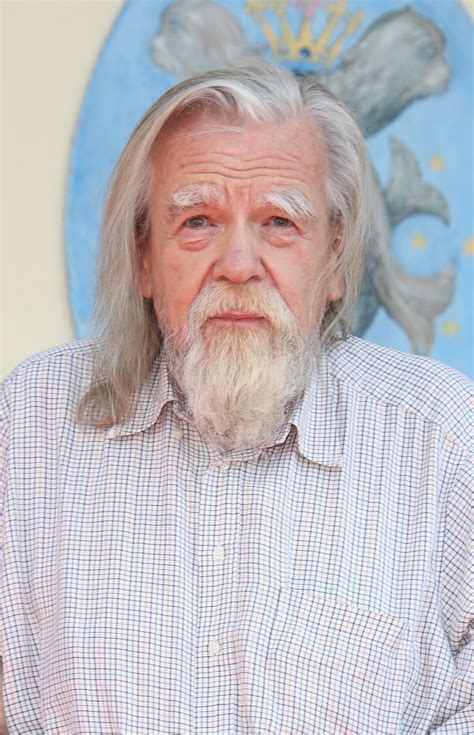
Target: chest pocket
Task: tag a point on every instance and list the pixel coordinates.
(334, 668)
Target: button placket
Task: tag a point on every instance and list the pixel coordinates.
(219, 528)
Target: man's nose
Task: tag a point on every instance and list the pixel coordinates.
(239, 258)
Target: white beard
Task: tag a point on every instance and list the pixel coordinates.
(238, 382)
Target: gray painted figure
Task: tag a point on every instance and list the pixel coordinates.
(196, 35)
(400, 59)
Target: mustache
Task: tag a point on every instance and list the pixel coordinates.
(219, 298)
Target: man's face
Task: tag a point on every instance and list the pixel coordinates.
(239, 206)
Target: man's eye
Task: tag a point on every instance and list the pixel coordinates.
(281, 222)
(197, 222)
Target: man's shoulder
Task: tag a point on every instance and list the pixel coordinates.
(435, 392)
(65, 368)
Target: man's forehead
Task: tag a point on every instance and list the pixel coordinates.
(255, 162)
(198, 125)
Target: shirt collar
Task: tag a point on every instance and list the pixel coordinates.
(317, 414)
(318, 417)
(155, 392)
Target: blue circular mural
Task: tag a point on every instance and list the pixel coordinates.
(406, 71)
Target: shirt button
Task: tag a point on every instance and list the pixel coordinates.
(177, 433)
(214, 648)
(218, 553)
(265, 456)
(224, 466)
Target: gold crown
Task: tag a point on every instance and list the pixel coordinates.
(286, 45)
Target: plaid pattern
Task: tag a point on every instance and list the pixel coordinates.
(320, 586)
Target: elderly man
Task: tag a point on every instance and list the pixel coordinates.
(224, 515)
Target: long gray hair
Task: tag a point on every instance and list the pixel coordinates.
(130, 336)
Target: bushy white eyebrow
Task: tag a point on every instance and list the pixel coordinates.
(195, 195)
(291, 201)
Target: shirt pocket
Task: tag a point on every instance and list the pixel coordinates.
(334, 668)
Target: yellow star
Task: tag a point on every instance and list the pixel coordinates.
(450, 328)
(418, 241)
(437, 162)
(469, 246)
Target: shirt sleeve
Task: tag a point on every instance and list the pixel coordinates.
(455, 716)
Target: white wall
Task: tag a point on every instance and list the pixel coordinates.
(49, 50)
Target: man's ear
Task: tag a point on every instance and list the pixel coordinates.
(145, 273)
(337, 286)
